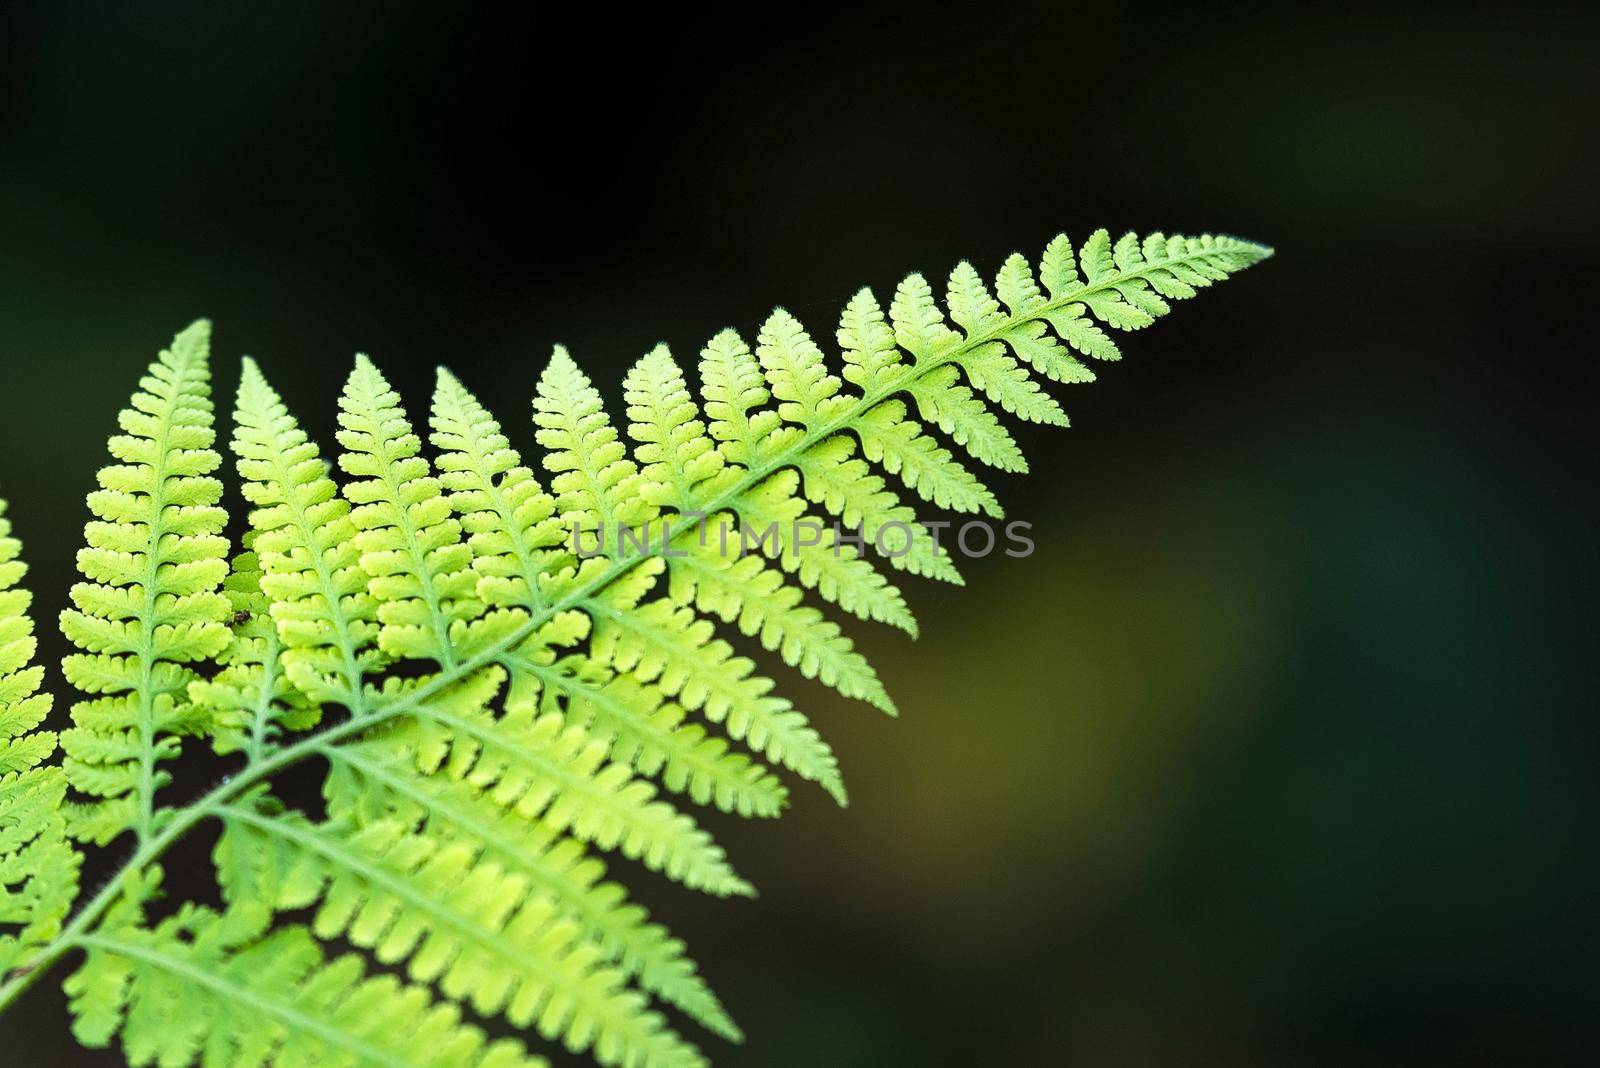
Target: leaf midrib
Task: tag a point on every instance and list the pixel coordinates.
(147, 618)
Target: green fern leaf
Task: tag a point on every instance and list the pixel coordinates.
(679, 458)
(251, 701)
(38, 867)
(734, 389)
(919, 325)
(807, 393)
(209, 989)
(306, 542)
(664, 643)
(901, 446)
(410, 543)
(514, 534)
(594, 480)
(378, 780)
(847, 488)
(654, 735)
(743, 591)
(496, 704)
(943, 400)
(456, 920)
(772, 518)
(150, 606)
(542, 766)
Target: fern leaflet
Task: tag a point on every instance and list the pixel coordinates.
(38, 866)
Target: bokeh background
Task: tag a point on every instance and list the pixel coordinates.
(1282, 747)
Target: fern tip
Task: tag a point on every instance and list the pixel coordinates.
(192, 343)
(1255, 248)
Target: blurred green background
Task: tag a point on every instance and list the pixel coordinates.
(1280, 750)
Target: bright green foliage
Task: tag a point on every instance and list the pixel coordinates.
(251, 700)
(410, 544)
(38, 868)
(483, 934)
(503, 681)
(213, 989)
(665, 643)
(510, 522)
(306, 543)
(677, 455)
(596, 484)
(378, 780)
(149, 608)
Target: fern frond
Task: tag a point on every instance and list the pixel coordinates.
(944, 401)
(778, 430)
(204, 988)
(734, 390)
(306, 542)
(684, 461)
(410, 543)
(457, 921)
(38, 866)
(595, 482)
(744, 591)
(251, 701)
(770, 518)
(678, 458)
(654, 736)
(525, 771)
(498, 705)
(904, 449)
(378, 780)
(515, 549)
(664, 643)
(149, 607)
(511, 523)
(22, 707)
(832, 476)
(548, 767)
(796, 373)
(773, 519)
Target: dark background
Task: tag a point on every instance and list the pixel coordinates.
(1280, 750)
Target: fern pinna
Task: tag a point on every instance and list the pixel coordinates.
(505, 679)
